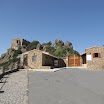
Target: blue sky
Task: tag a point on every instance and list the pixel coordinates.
(78, 21)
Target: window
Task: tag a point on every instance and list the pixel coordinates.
(89, 57)
(34, 58)
(17, 41)
(95, 55)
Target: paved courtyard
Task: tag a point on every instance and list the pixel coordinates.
(67, 86)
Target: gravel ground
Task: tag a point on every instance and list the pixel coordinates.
(14, 88)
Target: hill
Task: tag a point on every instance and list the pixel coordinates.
(18, 46)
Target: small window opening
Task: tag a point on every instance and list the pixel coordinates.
(34, 58)
(96, 54)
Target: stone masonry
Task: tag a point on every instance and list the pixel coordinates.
(43, 60)
(38, 63)
(97, 63)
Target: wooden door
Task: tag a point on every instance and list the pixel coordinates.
(74, 60)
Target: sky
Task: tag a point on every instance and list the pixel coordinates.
(78, 21)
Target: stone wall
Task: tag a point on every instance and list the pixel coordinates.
(44, 61)
(40, 60)
(96, 63)
(36, 64)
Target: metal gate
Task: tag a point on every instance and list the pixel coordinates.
(74, 60)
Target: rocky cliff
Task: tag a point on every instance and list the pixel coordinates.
(17, 44)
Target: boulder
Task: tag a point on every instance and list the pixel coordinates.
(13, 66)
(10, 67)
(44, 48)
(69, 45)
(16, 65)
(57, 43)
(68, 54)
(9, 53)
(39, 46)
(2, 70)
(3, 55)
(23, 49)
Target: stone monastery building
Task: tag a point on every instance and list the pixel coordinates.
(94, 58)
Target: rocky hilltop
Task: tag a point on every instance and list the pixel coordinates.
(18, 46)
(19, 43)
(59, 48)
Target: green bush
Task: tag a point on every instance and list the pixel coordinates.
(76, 53)
(62, 51)
(16, 52)
(49, 43)
(50, 49)
(59, 52)
(32, 45)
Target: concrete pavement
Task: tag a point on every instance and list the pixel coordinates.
(67, 86)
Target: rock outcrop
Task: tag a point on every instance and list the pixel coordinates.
(19, 43)
(16, 44)
(6, 56)
(39, 46)
(58, 42)
(44, 47)
(69, 45)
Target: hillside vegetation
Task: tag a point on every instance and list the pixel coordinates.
(57, 49)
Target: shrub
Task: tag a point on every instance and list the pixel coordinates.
(62, 51)
(76, 53)
(49, 43)
(32, 45)
(59, 52)
(16, 52)
(50, 49)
